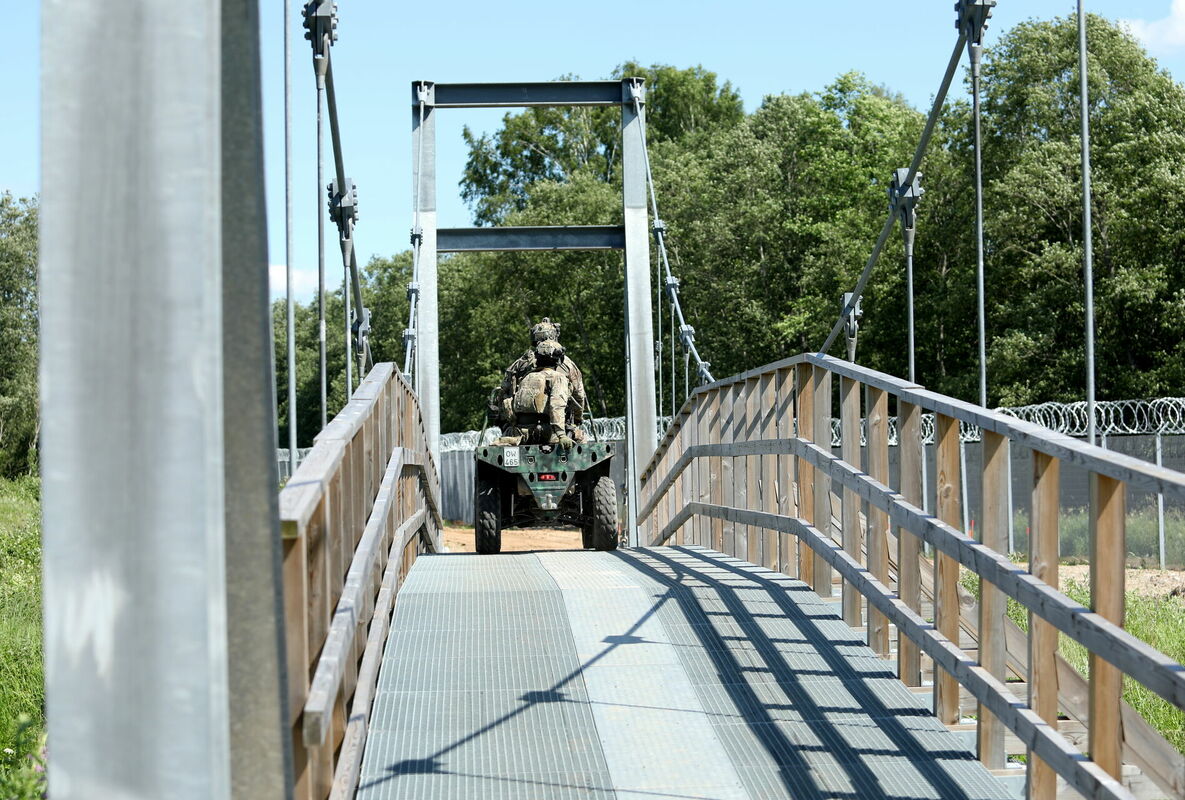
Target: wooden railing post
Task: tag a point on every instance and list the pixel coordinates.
(805, 417)
(853, 545)
(787, 500)
(769, 476)
(946, 569)
(822, 517)
(877, 435)
(703, 474)
(752, 497)
(1108, 553)
(716, 464)
(1043, 637)
(909, 575)
(993, 533)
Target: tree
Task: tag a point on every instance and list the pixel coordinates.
(19, 416)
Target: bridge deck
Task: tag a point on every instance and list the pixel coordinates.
(662, 673)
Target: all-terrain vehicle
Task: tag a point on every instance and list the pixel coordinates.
(528, 485)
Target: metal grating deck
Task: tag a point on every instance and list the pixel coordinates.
(655, 673)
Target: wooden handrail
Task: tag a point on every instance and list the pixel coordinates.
(353, 517)
(720, 479)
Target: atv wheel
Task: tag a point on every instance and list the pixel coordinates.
(487, 528)
(604, 527)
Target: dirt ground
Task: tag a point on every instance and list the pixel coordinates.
(460, 540)
(1148, 582)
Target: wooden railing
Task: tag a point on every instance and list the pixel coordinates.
(747, 468)
(359, 509)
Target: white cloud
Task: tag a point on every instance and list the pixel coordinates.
(304, 282)
(1161, 35)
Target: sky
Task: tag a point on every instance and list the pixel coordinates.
(762, 47)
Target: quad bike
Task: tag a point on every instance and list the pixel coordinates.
(528, 485)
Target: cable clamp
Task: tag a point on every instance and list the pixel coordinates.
(409, 337)
(320, 25)
(413, 291)
(660, 227)
(417, 237)
(971, 18)
(343, 205)
(671, 284)
(361, 326)
(903, 199)
(637, 91)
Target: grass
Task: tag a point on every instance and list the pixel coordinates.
(1159, 621)
(22, 688)
(1143, 538)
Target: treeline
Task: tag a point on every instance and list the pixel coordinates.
(771, 216)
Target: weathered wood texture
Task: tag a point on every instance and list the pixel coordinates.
(759, 478)
(366, 496)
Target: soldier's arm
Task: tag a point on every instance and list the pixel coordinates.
(576, 383)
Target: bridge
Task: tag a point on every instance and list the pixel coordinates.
(787, 622)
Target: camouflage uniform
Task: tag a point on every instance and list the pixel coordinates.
(541, 399)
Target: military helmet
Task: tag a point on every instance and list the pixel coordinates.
(545, 331)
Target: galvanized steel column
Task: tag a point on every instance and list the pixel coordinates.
(156, 393)
(643, 423)
(427, 358)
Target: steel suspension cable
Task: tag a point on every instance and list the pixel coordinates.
(319, 69)
(290, 318)
(915, 165)
(417, 238)
(686, 332)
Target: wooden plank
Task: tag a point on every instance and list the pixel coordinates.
(822, 516)
(728, 478)
(853, 544)
(1107, 561)
(993, 533)
(946, 572)
(317, 560)
(805, 417)
(909, 552)
(703, 474)
(877, 414)
(1043, 637)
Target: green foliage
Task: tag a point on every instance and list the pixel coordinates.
(19, 419)
(22, 692)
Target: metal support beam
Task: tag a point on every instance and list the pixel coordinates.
(159, 491)
(546, 238)
(519, 95)
(427, 358)
(643, 422)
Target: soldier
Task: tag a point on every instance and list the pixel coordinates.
(541, 399)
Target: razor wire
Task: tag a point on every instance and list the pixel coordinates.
(670, 282)
(1164, 415)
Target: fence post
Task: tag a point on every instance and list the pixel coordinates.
(877, 414)
(909, 575)
(946, 569)
(1107, 561)
(1043, 637)
(787, 501)
(993, 533)
(770, 484)
(1160, 503)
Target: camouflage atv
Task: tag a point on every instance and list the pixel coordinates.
(529, 485)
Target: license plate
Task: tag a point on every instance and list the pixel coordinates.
(510, 457)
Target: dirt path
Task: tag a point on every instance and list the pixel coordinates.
(460, 540)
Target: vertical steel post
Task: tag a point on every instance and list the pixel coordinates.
(643, 423)
(159, 447)
(1087, 242)
(427, 359)
(1160, 502)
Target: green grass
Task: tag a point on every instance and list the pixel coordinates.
(1143, 538)
(22, 688)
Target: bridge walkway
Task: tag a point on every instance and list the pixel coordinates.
(672, 672)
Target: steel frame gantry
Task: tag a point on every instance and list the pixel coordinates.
(632, 237)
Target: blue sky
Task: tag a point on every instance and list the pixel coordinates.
(762, 46)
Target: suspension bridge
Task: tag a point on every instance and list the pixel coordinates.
(785, 622)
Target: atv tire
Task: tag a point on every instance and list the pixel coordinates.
(487, 527)
(604, 527)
